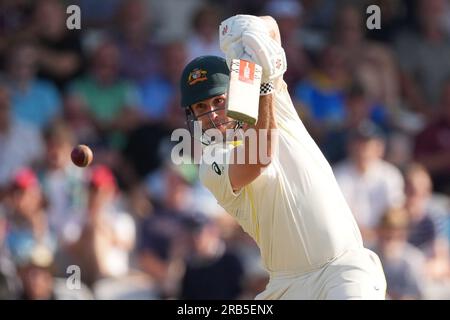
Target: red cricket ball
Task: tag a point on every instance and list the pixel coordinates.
(82, 155)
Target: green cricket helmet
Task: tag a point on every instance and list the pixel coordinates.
(203, 78)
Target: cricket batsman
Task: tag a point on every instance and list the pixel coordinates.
(291, 205)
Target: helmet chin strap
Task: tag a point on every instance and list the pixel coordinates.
(205, 139)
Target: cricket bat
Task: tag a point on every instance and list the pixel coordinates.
(243, 91)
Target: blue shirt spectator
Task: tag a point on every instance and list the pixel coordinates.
(323, 105)
(156, 94)
(33, 100)
(39, 104)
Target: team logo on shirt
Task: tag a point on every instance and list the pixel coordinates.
(216, 168)
(197, 75)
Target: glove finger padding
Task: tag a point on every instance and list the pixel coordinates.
(231, 29)
(266, 52)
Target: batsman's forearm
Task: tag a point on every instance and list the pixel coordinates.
(266, 122)
(243, 174)
(264, 113)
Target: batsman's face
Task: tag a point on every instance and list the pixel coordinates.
(212, 114)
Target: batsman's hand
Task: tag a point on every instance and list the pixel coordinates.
(230, 34)
(253, 38)
(231, 29)
(260, 48)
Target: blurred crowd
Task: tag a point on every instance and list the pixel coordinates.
(136, 226)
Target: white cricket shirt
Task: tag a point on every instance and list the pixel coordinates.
(294, 210)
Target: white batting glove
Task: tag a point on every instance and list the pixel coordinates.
(234, 51)
(231, 30)
(265, 51)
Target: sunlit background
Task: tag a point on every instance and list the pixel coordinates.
(133, 225)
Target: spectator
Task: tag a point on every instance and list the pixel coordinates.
(143, 149)
(204, 39)
(15, 17)
(174, 17)
(371, 63)
(426, 226)
(211, 259)
(359, 109)
(36, 276)
(13, 135)
(38, 281)
(369, 184)
(422, 55)
(418, 190)
(139, 54)
(98, 14)
(404, 265)
(111, 100)
(322, 92)
(319, 15)
(29, 223)
(159, 91)
(76, 117)
(106, 234)
(60, 55)
(62, 181)
(34, 100)
(164, 237)
(393, 18)
(432, 145)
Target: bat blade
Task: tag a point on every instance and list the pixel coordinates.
(243, 91)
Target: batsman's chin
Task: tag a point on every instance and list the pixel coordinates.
(221, 127)
(224, 125)
(217, 127)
